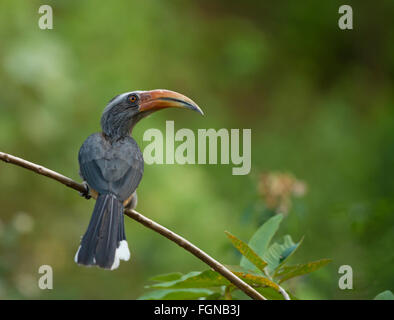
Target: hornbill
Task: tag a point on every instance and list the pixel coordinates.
(112, 165)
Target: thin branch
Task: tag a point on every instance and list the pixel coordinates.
(284, 293)
(182, 242)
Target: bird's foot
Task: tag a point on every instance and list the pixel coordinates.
(86, 193)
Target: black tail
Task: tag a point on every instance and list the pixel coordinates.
(104, 242)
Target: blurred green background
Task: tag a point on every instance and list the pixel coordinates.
(319, 101)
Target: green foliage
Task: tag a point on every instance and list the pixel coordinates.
(273, 294)
(269, 269)
(288, 272)
(261, 239)
(385, 295)
(195, 279)
(177, 294)
(277, 253)
(166, 277)
(256, 280)
(247, 252)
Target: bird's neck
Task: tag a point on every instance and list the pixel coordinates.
(116, 128)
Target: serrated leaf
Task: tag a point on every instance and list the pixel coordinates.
(247, 252)
(261, 239)
(277, 254)
(166, 277)
(288, 272)
(177, 294)
(195, 279)
(385, 295)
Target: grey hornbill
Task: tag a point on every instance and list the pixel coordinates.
(112, 166)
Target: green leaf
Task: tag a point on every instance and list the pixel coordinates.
(261, 239)
(238, 268)
(287, 272)
(272, 294)
(278, 253)
(166, 277)
(385, 295)
(210, 279)
(256, 280)
(214, 296)
(177, 294)
(247, 252)
(195, 279)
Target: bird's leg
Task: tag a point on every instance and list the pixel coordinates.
(86, 193)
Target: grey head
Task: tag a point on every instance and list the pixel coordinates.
(124, 110)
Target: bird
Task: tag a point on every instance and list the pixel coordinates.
(111, 165)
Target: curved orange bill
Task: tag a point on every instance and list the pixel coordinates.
(160, 99)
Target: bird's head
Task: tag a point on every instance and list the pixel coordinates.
(126, 109)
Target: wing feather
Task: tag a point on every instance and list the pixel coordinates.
(111, 168)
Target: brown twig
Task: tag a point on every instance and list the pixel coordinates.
(182, 242)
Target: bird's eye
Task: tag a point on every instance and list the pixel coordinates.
(133, 98)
